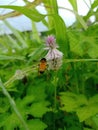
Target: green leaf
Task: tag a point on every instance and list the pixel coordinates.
(90, 110)
(72, 101)
(35, 32)
(39, 109)
(75, 43)
(25, 101)
(11, 122)
(3, 118)
(93, 99)
(37, 52)
(93, 50)
(33, 14)
(79, 104)
(4, 105)
(38, 91)
(36, 125)
(61, 35)
(94, 4)
(2, 110)
(13, 43)
(87, 111)
(89, 45)
(81, 43)
(74, 4)
(33, 104)
(95, 119)
(55, 6)
(81, 20)
(17, 34)
(52, 10)
(75, 11)
(91, 11)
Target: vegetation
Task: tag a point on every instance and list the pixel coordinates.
(62, 99)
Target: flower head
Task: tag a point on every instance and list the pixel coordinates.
(51, 42)
(53, 56)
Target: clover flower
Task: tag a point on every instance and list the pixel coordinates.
(54, 56)
(51, 42)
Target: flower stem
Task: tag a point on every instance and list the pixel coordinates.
(80, 60)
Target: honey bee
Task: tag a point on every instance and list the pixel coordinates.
(42, 66)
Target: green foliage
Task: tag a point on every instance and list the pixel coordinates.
(74, 4)
(33, 14)
(32, 107)
(85, 108)
(36, 125)
(72, 101)
(66, 99)
(91, 12)
(61, 34)
(84, 43)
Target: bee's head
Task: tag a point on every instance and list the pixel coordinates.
(43, 60)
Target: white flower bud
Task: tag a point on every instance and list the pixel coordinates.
(19, 74)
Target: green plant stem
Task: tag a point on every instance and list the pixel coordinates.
(11, 80)
(79, 18)
(26, 71)
(30, 69)
(55, 91)
(80, 60)
(82, 79)
(55, 94)
(13, 105)
(86, 4)
(76, 79)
